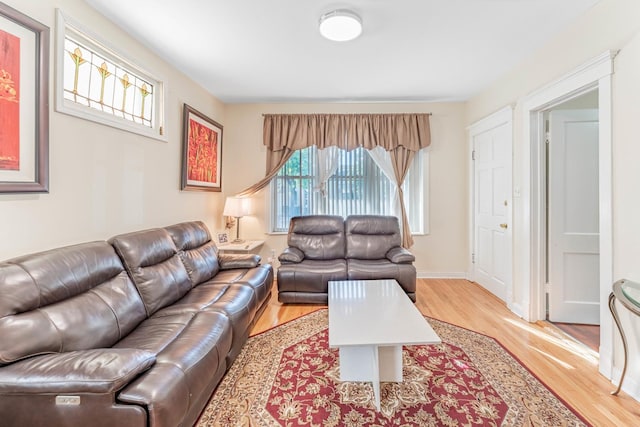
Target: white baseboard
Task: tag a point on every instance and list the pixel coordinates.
(630, 385)
(437, 275)
(516, 308)
(605, 366)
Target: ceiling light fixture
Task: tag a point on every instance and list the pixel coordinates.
(340, 25)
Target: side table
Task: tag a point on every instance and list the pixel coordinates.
(628, 293)
(246, 247)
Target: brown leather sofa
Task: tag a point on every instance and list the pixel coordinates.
(323, 248)
(137, 331)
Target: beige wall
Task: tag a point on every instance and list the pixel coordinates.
(443, 252)
(626, 197)
(105, 181)
(609, 25)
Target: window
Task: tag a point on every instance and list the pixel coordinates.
(358, 186)
(97, 84)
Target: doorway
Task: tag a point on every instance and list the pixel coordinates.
(572, 236)
(596, 74)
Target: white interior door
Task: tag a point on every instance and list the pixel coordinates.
(573, 237)
(492, 204)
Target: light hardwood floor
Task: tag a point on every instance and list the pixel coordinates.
(568, 368)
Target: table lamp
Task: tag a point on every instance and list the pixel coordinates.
(237, 207)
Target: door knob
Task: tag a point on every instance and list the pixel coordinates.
(503, 225)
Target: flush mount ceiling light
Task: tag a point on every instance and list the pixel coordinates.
(340, 25)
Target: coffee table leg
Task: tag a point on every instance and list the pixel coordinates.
(390, 363)
(361, 363)
(369, 363)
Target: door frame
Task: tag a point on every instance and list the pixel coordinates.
(501, 117)
(594, 74)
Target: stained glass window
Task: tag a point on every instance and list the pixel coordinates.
(100, 85)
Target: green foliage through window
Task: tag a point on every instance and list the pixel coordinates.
(357, 187)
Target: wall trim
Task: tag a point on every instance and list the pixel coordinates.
(593, 74)
(441, 275)
(630, 385)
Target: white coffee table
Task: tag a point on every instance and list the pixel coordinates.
(369, 322)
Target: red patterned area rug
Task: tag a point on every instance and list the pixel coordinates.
(288, 376)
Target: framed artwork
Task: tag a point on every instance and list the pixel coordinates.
(201, 152)
(24, 103)
(222, 237)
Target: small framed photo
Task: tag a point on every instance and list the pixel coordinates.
(222, 237)
(201, 152)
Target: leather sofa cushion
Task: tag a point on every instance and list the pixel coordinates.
(87, 371)
(237, 302)
(371, 236)
(198, 253)
(310, 275)
(43, 278)
(259, 278)
(190, 361)
(364, 269)
(151, 258)
(87, 301)
(319, 237)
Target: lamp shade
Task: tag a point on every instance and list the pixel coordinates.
(340, 25)
(237, 207)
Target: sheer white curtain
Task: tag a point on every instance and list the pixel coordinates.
(327, 166)
(382, 159)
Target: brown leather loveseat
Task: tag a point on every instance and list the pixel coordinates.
(323, 248)
(137, 331)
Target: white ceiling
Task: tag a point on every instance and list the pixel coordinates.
(410, 50)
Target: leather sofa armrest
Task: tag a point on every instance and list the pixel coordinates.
(291, 255)
(231, 261)
(88, 371)
(400, 255)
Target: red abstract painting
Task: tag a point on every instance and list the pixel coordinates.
(202, 154)
(9, 101)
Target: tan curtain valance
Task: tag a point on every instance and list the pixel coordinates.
(346, 131)
(402, 135)
(283, 134)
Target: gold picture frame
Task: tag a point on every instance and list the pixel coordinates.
(201, 152)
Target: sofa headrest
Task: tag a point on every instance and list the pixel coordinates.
(189, 235)
(197, 252)
(144, 248)
(371, 236)
(373, 225)
(36, 280)
(72, 298)
(152, 260)
(316, 225)
(319, 237)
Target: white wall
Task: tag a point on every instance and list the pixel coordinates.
(105, 181)
(626, 196)
(443, 252)
(609, 25)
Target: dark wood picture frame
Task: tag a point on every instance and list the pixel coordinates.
(201, 152)
(35, 123)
